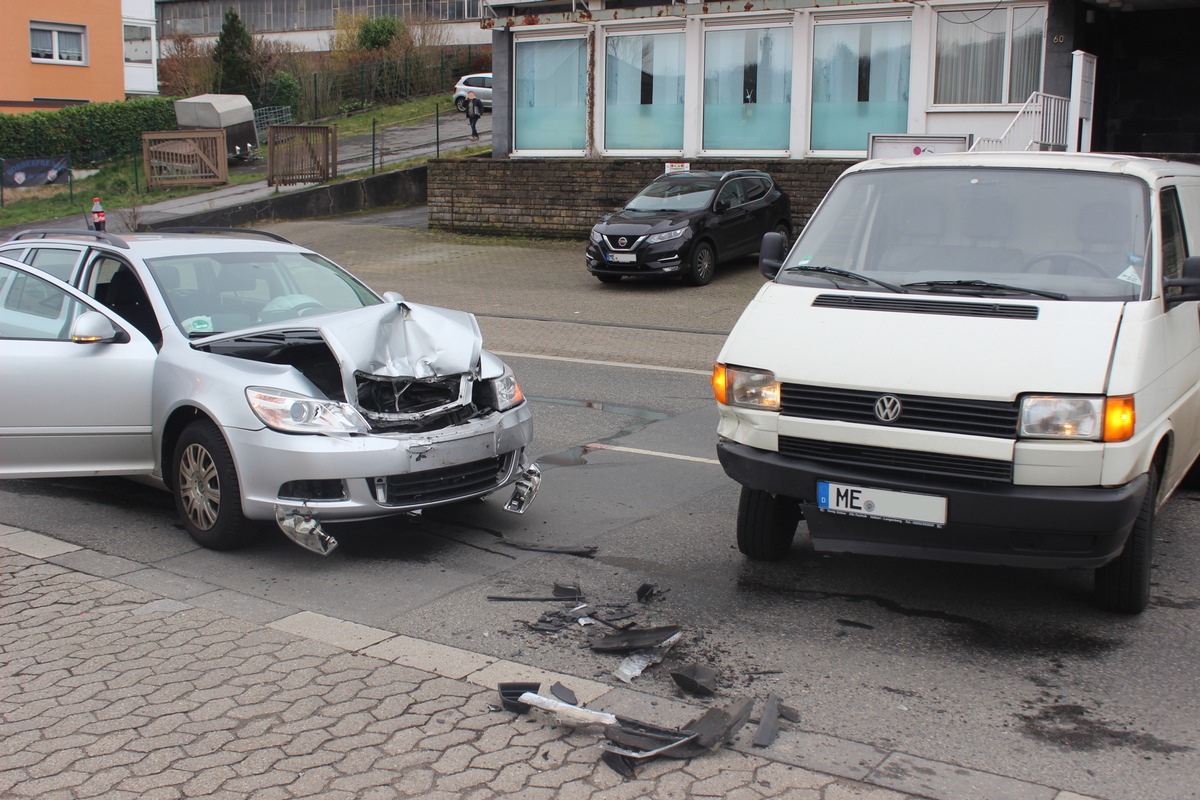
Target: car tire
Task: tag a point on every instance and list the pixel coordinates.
(609, 278)
(766, 524)
(460, 103)
(702, 265)
(1123, 584)
(207, 493)
(783, 230)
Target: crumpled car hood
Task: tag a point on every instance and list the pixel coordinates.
(394, 340)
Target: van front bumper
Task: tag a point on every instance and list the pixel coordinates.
(986, 523)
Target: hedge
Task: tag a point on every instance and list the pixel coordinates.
(90, 133)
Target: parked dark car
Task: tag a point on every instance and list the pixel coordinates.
(685, 223)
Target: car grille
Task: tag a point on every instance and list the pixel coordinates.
(906, 462)
(942, 414)
(630, 242)
(445, 483)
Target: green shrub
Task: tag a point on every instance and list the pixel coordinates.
(89, 133)
(282, 89)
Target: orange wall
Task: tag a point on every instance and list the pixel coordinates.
(22, 79)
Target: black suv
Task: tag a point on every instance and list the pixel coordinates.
(685, 222)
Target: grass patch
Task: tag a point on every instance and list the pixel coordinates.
(408, 113)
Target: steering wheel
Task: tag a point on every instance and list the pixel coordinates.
(304, 309)
(1066, 256)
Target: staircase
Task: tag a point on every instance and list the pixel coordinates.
(1041, 124)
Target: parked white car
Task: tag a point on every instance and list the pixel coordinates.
(480, 83)
(989, 358)
(253, 378)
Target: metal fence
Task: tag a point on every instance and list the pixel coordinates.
(185, 158)
(301, 154)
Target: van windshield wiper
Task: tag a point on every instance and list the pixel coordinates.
(982, 288)
(845, 273)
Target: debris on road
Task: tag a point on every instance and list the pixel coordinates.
(583, 551)
(696, 678)
(635, 639)
(648, 591)
(768, 724)
(636, 662)
(560, 592)
(564, 694)
(510, 695)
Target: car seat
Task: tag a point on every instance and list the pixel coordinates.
(126, 297)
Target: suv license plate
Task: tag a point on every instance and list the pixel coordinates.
(622, 258)
(860, 501)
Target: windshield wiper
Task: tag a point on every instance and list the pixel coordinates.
(845, 273)
(983, 288)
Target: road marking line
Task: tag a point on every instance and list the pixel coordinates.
(705, 372)
(641, 452)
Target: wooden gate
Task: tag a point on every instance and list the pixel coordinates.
(185, 158)
(301, 154)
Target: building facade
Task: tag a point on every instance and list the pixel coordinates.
(789, 79)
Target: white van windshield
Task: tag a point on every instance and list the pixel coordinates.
(981, 231)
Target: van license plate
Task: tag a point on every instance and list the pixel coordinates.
(622, 258)
(860, 501)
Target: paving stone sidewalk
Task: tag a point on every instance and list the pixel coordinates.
(113, 691)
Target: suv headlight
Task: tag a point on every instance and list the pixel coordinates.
(596, 237)
(1093, 419)
(749, 388)
(666, 237)
(507, 391)
(295, 413)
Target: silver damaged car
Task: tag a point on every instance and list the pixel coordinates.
(254, 379)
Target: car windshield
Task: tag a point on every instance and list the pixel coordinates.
(220, 292)
(987, 232)
(685, 194)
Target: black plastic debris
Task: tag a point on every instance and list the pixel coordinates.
(849, 623)
(710, 731)
(768, 724)
(510, 695)
(587, 551)
(564, 694)
(635, 639)
(621, 764)
(648, 591)
(696, 678)
(559, 592)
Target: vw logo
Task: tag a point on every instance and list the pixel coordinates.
(888, 408)
(622, 242)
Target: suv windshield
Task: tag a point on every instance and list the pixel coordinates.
(994, 232)
(220, 292)
(684, 194)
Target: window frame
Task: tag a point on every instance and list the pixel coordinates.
(55, 29)
(1007, 65)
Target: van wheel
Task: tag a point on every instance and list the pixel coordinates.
(766, 524)
(1123, 584)
(206, 489)
(703, 265)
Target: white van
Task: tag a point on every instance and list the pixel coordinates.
(988, 358)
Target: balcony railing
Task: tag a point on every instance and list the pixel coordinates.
(1041, 124)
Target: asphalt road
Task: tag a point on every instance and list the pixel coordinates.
(1011, 672)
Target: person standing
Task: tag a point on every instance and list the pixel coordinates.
(474, 112)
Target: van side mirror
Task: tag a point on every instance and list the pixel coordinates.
(1189, 282)
(771, 254)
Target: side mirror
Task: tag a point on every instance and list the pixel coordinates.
(721, 206)
(92, 327)
(771, 254)
(393, 297)
(1189, 282)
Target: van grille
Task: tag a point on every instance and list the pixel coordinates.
(942, 414)
(914, 306)
(909, 462)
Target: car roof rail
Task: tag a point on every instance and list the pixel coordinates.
(43, 233)
(203, 229)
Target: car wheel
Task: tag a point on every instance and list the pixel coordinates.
(207, 493)
(1123, 584)
(703, 265)
(766, 524)
(609, 278)
(783, 230)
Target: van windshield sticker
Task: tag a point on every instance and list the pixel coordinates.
(807, 259)
(1131, 275)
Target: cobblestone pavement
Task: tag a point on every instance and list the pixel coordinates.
(107, 690)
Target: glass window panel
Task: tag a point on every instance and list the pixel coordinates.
(41, 43)
(137, 44)
(969, 65)
(643, 87)
(860, 83)
(1029, 34)
(70, 46)
(550, 80)
(747, 89)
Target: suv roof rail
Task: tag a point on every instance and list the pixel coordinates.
(42, 233)
(203, 229)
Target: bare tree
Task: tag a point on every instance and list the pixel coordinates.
(186, 67)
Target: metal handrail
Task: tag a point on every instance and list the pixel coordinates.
(1040, 122)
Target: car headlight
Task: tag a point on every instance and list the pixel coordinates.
(1094, 419)
(507, 391)
(666, 237)
(295, 413)
(749, 388)
(596, 237)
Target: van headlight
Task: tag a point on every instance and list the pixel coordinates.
(749, 388)
(295, 413)
(1093, 419)
(507, 391)
(667, 236)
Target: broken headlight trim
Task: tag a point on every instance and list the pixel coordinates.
(295, 413)
(507, 391)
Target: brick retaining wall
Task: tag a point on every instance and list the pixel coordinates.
(564, 198)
